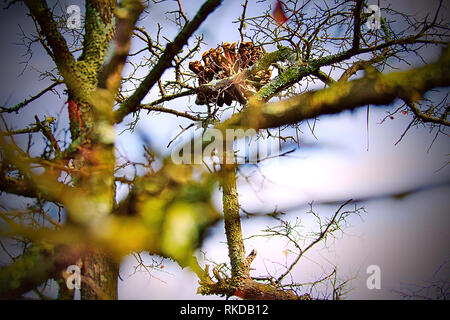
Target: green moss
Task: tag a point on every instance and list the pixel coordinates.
(99, 32)
(285, 79)
(33, 266)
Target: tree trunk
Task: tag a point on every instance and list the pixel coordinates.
(240, 284)
(99, 276)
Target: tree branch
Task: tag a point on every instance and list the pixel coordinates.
(17, 186)
(18, 106)
(99, 26)
(426, 117)
(32, 269)
(61, 53)
(301, 69)
(232, 221)
(360, 65)
(171, 111)
(357, 25)
(375, 89)
(165, 61)
(127, 16)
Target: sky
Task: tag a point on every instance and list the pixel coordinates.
(346, 158)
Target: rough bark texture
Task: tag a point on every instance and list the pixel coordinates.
(232, 219)
(96, 159)
(99, 276)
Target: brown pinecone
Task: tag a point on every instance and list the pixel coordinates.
(224, 61)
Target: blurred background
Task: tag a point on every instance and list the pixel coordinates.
(348, 156)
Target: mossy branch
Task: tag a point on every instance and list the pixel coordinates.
(375, 89)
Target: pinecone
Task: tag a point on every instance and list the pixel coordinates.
(223, 62)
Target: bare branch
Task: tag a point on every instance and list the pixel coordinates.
(63, 58)
(19, 106)
(425, 117)
(165, 61)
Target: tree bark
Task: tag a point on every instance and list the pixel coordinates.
(232, 220)
(99, 276)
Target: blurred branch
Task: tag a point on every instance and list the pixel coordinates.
(398, 195)
(127, 16)
(32, 184)
(34, 267)
(17, 186)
